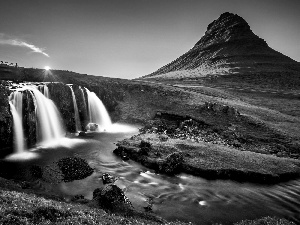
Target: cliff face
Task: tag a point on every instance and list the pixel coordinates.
(6, 122)
(228, 47)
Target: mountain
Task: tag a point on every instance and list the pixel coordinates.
(228, 47)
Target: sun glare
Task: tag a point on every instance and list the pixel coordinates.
(47, 68)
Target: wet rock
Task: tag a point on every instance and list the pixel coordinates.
(74, 168)
(111, 197)
(92, 127)
(122, 152)
(108, 178)
(82, 134)
(172, 163)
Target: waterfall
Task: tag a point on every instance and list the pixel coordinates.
(45, 90)
(82, 92)
(97, 111)
(16, 103)
(77, 120)
(48, 118)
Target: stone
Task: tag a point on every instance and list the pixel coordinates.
(172, 163)
(91, 127)
(74, 168)
(108, 178)
(111, 197)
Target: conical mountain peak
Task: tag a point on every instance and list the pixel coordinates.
(228, 27)
(228, 46)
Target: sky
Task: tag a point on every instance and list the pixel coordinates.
(130, 38)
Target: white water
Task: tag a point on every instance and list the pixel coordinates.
(77, 120)
(48, 119)
(45, 90)
(82, 92)
(97, 112)
(18, 129)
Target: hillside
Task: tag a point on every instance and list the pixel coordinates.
(229, 47)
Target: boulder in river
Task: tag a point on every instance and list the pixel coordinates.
(111, 197)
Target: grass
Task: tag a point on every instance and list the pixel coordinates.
(18, 207)
(215, 161)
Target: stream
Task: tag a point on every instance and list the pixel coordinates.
(183, 197)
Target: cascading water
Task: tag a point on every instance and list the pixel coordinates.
(45, 90)
(15, 102)
(48, 119)
(82, 93)
(97, 112)
(77, 120)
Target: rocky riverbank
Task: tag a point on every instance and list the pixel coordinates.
(172, 144)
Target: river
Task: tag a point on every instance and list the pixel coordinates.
(182, 197)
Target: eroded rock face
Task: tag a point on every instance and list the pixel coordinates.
(29, 119)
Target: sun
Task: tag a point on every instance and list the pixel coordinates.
(47, 68)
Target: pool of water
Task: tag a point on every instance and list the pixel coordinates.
(182, 197)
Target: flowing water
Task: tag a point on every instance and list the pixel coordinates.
(18, 129)
(97, 111)
(183, 197)
(48, 117)
(76, 113)
(49, 122)
(16, 105)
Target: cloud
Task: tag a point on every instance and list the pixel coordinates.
(16, 42)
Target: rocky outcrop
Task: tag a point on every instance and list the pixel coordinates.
(61, 95)
(6, 122)
(29, 119)
(228, 47)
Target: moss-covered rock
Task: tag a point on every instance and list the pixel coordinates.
(74, 168)
(112, 198)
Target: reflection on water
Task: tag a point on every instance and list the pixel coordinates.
(182, 197)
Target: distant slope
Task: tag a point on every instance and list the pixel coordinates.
(228, 47)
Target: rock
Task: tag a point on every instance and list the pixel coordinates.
(91, 127)
(82, 134)
(111, 197)
(172, 163)
(145, 147)
(108, 178)
(163, 137)
(74, 168)
(122, 152)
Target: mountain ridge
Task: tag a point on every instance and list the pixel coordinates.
(228, 46)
